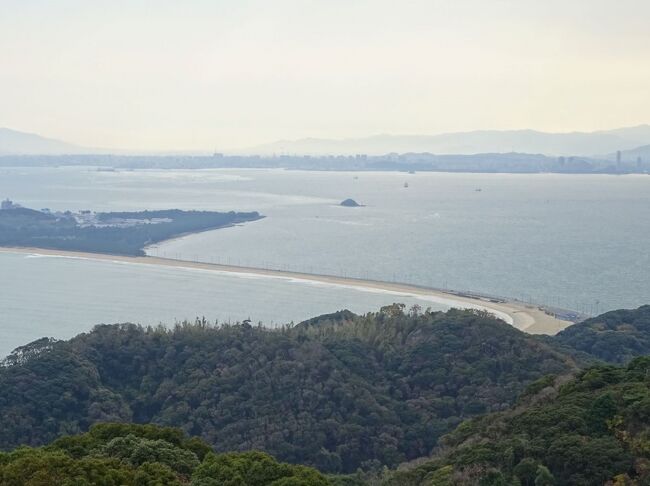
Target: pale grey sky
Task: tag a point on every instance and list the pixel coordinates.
(206, 74)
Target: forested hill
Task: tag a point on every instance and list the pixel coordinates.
(592, 430)
(374, 390)
(118, 233)
(339, 392)
(615, 337)
(145, 455)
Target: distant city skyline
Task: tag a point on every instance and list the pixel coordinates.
(223, 75)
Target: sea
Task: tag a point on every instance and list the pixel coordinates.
(578, 242)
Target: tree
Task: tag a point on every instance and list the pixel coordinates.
(544, 477)
(526, 471)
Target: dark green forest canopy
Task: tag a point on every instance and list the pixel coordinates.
(120, 233)
(337, 392)
(145, 455)
(615, 336)
(587, 431)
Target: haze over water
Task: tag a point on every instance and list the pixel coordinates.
(575, 241)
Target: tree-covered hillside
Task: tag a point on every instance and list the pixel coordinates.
(592, 430)
(145, 455)
(337, 393)
(342, 392)
(121, 233)
(615, 336)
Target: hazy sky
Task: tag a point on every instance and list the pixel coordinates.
(218, 74)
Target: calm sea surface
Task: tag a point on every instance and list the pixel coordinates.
(575, 241)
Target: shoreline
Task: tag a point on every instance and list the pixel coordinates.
(530, 318)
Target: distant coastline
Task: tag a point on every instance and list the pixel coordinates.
(624, 150)
(502, 163)
(115, 233)
(530, 318)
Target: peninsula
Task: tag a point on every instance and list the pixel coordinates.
(124, 236)
(114, 233)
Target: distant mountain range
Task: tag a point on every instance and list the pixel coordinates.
(601, 144)
(591, 144)
(13, 142)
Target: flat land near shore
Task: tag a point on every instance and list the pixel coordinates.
(530, 318)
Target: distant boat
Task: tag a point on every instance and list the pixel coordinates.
(478, 189)
(411, 172)
(406, 184)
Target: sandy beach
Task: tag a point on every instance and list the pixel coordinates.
(526, 317)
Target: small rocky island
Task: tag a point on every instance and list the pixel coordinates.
(350, 203)
(118, 233)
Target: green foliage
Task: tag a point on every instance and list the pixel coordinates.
(138, 451)
(253, 469)
(43, 468)
(343, 393)
(441, 477)
(136, 455)
(337, 393)
(538, 385)
(526, 471)
(616, 337)
(544, 477)
(589, 432)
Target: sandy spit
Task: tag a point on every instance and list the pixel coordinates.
(526, 317)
